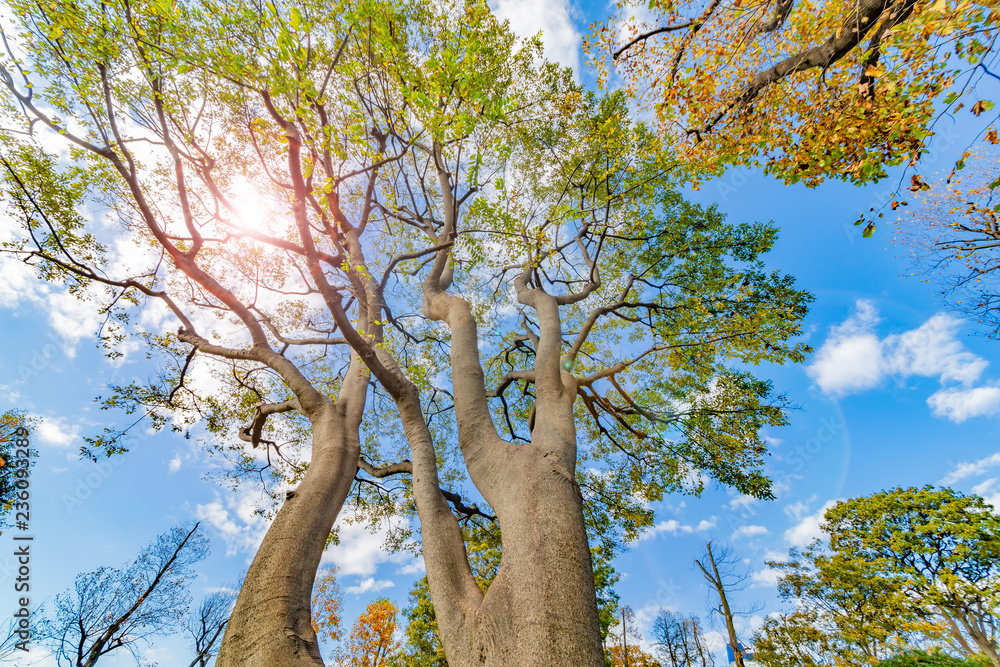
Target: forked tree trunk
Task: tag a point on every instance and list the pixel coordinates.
(270, 625)
(541, 609)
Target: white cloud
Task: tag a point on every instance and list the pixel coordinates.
(675, 527)
(672, 526)
(56, 432)
(961, 404)
(799, 509)
(965, 469)
(808, 527)
(417, 566)
(765, 578)
(705, 525)
(749, 531)
(741, 502)
(234, 518)
(369, 585)
(175, 464)
(984, 487)
(854, 358)
(990, 491)
(932, 349)
(360, 551)
(553, 18)
(850, 359)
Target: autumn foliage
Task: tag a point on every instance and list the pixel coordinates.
(327, 605)
(809, 89)
(371, 643)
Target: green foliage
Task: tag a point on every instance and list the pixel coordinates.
(422, 647)
(342, 114)
(933, 659)
(901, 566)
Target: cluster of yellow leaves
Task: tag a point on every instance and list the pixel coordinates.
(327, 605)
(632, 657)
(711, 81)
(371, 643)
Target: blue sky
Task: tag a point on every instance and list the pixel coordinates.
(898, 392)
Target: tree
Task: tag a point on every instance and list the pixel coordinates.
(371, 643)
(818, 89)
(905, 567)
(722, 572)
(955, 237)
(939, 548)
(624, 651)
(205, 626)
(327, 605)
(438, 201)
(633, 656)
(482, 538)
(932, 659)
(802, 638)
(114, 608)
(843, 614)
(679, 640)
(422, 647)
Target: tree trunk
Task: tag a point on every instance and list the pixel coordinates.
(541, 609)
(270, 625)
(716, 580)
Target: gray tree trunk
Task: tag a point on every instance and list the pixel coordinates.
(270, 625)
(541, 609)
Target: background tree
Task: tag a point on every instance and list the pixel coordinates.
(371, 643)
(802, 638)
(624, 649)
(679, 640)
(953, 231)
(813, 89)
(422, 646)
(10, 472)
(174, 198)
(842, 613)
(724, 574)
(205, 625)
(905, 567)
(114, 608)
(939, 548)
(818, 89)
(327, 605)
(932, 659)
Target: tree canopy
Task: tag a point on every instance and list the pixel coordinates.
(399, 206)
(809, 89)
(901, 567)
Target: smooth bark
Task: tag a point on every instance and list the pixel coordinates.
(270, 625)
